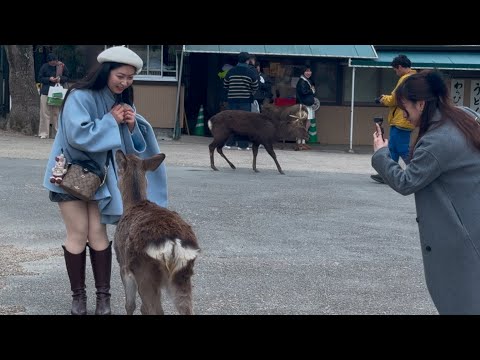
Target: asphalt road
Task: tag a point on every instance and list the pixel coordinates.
(322, 239)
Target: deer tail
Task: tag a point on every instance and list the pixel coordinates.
(172, 254)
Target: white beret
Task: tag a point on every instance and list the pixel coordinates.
(122, 55)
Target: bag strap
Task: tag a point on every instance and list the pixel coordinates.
(106, 166)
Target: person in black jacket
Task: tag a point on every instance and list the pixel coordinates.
(51, 73)
(305, 95)
(264, 92)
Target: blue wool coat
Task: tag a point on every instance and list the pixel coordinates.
(86, 125)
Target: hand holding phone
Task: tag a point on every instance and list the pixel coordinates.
(379, 121)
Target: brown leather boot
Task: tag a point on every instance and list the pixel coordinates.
(102, 270)
(75, 264)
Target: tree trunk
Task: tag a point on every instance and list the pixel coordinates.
(24, 115)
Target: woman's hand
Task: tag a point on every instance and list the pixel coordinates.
(378, 141)
(118, 113)
(129, 117)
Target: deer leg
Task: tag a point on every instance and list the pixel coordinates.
(151, 301)
(149, 290)
(130, 287)
(212, 147)
(220, 151)
(255, 152)
(269, 148)
(180, 289)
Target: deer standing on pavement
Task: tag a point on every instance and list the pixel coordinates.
(155, 248)
(272, 124)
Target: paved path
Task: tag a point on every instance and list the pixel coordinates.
(322, 239)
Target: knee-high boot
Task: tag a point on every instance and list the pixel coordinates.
(102, 270)
(75, 264)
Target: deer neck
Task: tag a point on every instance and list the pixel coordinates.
(129, 201)
(281, 130)
(134, 192)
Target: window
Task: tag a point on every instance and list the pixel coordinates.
(365, 85)
(285, 72)
(325, 78)
(369, 84)
(160, 62)
(388, 81)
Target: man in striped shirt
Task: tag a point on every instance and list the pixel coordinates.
(240, 83)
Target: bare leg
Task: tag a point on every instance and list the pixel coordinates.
(75, 217)
(97, 232)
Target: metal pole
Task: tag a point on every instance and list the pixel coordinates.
(176, 129)
(351, 112)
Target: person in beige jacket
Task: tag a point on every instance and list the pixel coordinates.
(50, 75)
(400, 127)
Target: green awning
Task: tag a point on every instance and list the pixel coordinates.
(452, 60)
(335, 51)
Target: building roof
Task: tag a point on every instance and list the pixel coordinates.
(450, 60)
(336, 51)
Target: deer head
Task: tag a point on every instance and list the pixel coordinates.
(302, 113)
(132, 181)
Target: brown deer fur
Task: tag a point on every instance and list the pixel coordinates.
(155, 248)
(273, 124)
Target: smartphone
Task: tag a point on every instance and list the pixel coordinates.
(379, 120)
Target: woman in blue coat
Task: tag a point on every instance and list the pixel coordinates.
(98, 116)
(444, 175)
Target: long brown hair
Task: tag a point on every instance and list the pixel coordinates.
(97, 79)
(429, 86)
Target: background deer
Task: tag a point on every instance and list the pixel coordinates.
(155, 247)
(273, 124)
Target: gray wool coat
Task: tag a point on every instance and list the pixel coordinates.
(444, 175)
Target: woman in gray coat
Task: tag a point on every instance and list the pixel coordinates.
(444, 175)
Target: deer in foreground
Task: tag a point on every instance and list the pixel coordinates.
(155, 248)
(273, 124)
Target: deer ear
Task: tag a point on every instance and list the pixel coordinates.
(153, 162)
(120, 159)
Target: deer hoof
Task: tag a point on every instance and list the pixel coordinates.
(214, 168)
(281, 172)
